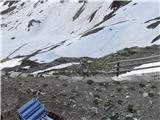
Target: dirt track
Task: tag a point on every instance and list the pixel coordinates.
(93, 98)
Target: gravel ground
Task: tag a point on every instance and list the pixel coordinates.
(93, 98)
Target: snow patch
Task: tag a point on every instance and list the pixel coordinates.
(61, 66)
(145, 70)
(11, 63)
(141, 72)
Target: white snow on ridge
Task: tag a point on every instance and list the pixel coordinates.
(11, 63)
(61, 66)
(26, 67)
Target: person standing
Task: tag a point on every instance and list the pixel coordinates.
(83, 67)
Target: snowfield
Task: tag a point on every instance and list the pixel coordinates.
(61, 66)
(45, 30)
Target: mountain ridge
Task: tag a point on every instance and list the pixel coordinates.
(47, 30)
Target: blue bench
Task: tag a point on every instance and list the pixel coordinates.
(33, 110)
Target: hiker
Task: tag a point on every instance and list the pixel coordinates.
(83, 67)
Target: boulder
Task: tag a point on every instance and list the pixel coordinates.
(14, 74)
(2, 73)
(24, 75)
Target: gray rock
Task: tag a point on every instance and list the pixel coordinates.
(129, 118)
(94, 110)
(127, 96)
(145, 94)
(63, 77)
(2, 73)
(129, 115)
(151, 94)
(14, 74)
(24, 75)
(84, 118)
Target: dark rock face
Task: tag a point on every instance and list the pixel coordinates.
(155, 22)
(92, 15)
(93, 31)
(29, 63)
(22, 4)
(79, 12)
(155, 39)
(11, 6)
(10, 2)
(31, 22)
(8, 10)
(61, 1)
(12, 38)
(153, 25)
(38, 2)
(82, 1)
(106, 17)
(117, 4)
(157, 18)
(3, 25)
